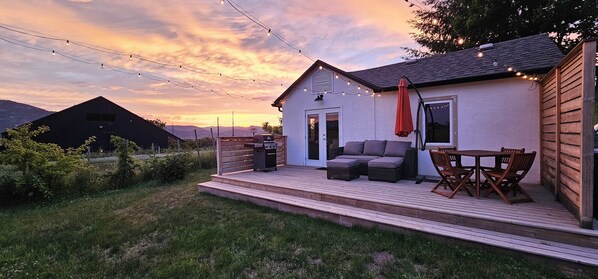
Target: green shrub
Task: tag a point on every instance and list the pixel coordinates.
(170, 168)
(39, 170)
(125, 168)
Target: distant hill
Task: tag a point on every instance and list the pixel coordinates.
(186, 132)
(13, 114)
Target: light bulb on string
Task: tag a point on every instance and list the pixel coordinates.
(320, 67)
(180, 67)
(460, 41)
(102, 65)
(139, 75)
(510, 69)
(305, 89)
(130, 57)
(524, 76)
(299, 52)
(358, 94)
(221, 2)
(53, 52)
(359, 87)
(480, 54)
(434, 21)
(518, 74)
(269, 32)
(379, 95)
(68, 43)
(336, 76)
(348, 83)
(343, 93)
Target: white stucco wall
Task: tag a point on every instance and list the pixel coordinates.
(490, 114)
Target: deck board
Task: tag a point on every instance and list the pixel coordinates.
(544, 210)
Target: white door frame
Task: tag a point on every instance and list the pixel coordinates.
(321, 162)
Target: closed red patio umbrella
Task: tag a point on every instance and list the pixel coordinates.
(404, 120)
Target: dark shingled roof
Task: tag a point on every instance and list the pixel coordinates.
(535, 54)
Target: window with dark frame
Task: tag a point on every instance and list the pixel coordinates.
(438, 122)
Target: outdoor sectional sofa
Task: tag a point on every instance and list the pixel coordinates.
(379, 159)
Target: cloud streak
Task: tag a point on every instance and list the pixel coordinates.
(202, 35)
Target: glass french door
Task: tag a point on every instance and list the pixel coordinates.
(322, 134)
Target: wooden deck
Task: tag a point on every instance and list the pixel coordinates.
(543, 228)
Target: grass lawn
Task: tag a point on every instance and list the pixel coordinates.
(173, 232)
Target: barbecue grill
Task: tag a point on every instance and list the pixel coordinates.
(264, 152)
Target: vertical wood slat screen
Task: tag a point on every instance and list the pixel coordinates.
(232, 155)
(567, 138)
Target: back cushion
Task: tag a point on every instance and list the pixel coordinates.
(353, 148)
(396, 148)
(374, 147)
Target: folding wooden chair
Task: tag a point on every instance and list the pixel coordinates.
(505, 160)
(452, 158)
(454, 177)
(503, 181)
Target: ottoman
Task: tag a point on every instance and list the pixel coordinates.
(385, 169)
(344, 169)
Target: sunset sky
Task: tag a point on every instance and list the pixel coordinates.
(201, 35)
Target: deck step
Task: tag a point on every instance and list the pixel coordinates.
(511, 226)
(349, 215)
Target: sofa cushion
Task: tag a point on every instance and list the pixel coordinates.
(374, 147)
(353, 148)
(396, 148)
(386, 162)
(362, 159)
(342, 163)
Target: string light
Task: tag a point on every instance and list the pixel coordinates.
(53, 52)
(68, 43)
(460, 41)
(258, 22)
(320, 67)
(27, 32)
(510, 69)
(139, 74)
(480, 54)
(102, 66)
(221, 2)
(343, 93)
(518, 74)
(305, 89)
(336, 76)
(358, 94)
(434, 21)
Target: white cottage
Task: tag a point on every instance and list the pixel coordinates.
(480, 98)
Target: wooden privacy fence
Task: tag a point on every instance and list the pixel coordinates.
(232, 155)
(567, 98)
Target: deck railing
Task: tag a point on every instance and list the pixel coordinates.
(567, 136)
(232, 155)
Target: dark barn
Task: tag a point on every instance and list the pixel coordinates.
(101, 118)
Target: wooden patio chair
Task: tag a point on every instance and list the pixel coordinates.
(452, 176)
(505, 160)
(503, 181)
(452, 158)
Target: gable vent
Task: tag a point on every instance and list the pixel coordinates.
(321, 82)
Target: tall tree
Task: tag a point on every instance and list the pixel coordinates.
(449, 25)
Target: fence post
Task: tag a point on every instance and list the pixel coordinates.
(219, 155)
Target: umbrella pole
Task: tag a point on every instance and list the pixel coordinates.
(418, 136)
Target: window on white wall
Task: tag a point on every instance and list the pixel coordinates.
(440, 121)
(321, 81)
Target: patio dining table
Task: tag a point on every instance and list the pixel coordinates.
(477, 154)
